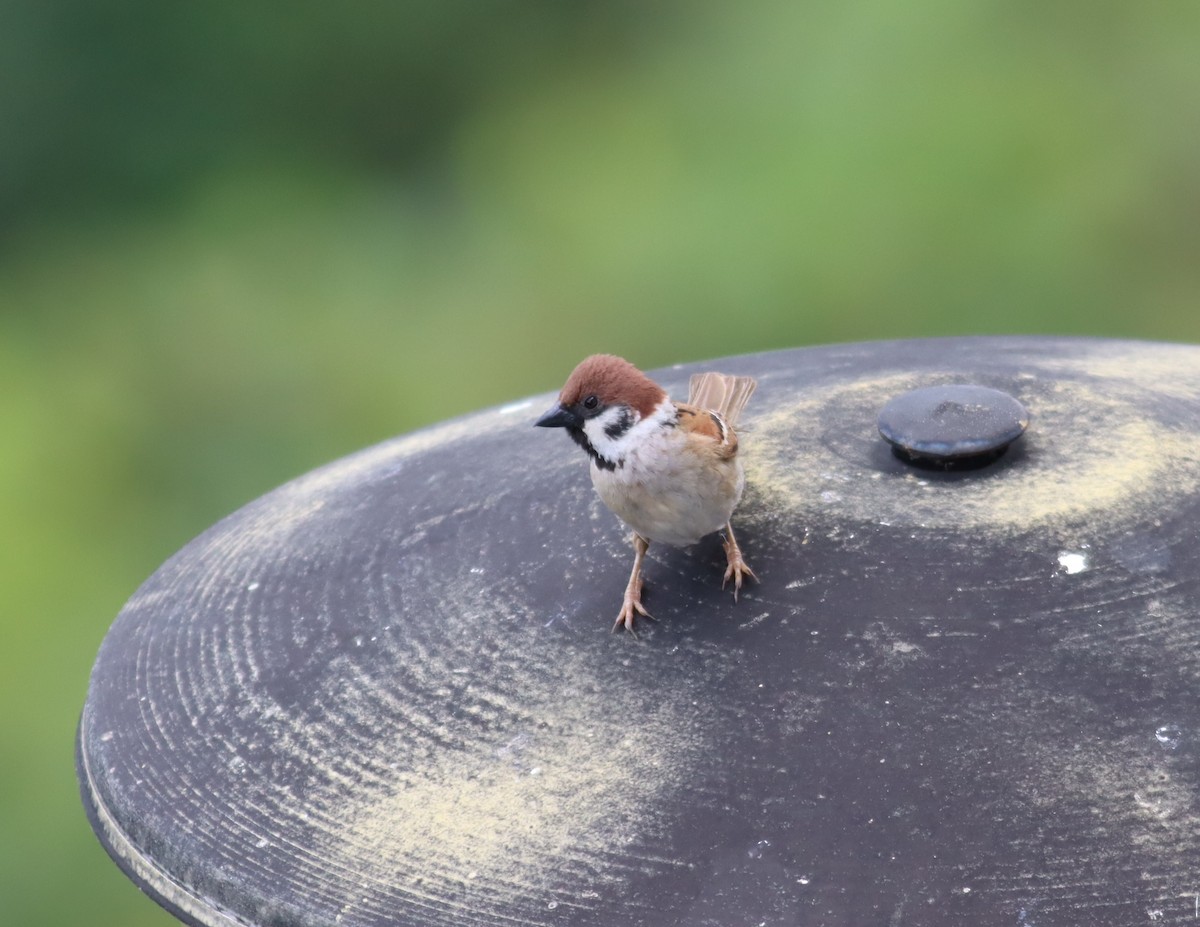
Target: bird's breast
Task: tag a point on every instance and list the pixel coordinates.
(670, 494)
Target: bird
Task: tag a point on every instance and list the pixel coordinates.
(669, 470)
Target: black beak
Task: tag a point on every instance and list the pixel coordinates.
(558, 417)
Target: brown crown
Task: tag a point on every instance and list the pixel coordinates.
(612, 380)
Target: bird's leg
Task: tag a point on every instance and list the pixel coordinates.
(737, 566)
(632, 605)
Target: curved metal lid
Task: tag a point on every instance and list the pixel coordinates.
(386, 693)
(956, 424)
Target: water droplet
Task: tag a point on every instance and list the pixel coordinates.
(804, 880)
(1169, 735)
(552, 905)
(106, 736)
(1073, 561)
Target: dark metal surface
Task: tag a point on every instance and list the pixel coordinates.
(386, 693)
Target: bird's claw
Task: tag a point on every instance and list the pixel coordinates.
(735, 571)
(737, 568)
(630, 609)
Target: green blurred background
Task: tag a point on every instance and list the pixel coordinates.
(239, 239)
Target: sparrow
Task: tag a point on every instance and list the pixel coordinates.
(669, 470)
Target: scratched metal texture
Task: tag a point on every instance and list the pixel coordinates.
(387, 693)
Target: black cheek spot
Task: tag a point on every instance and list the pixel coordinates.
(620, 426)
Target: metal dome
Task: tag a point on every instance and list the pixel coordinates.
(386, 692)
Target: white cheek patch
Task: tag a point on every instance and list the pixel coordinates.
(609, 432)
(616, 431)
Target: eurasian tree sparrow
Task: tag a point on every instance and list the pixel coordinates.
(669, 470)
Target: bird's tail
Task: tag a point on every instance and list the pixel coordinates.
(721, 393)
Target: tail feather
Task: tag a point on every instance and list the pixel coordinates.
(721, 393)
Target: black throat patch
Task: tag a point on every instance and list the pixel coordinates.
(579, 436)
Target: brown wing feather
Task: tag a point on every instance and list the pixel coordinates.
(721, 393)
(698, 421)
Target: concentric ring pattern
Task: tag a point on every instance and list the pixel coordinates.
(386, 693)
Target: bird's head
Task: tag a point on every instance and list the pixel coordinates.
(601, 402)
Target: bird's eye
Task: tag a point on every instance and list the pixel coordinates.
(591, 402)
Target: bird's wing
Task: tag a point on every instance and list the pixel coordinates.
(718, 392)
(693, 420)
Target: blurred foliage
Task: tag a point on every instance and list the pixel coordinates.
(239, 240)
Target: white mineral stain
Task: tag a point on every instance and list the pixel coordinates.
(580, 778)
(1166, 369)
(1094, 452)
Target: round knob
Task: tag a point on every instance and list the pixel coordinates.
(956, 425)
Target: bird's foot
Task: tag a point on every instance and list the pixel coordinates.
(737, 568)
(631, 607)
